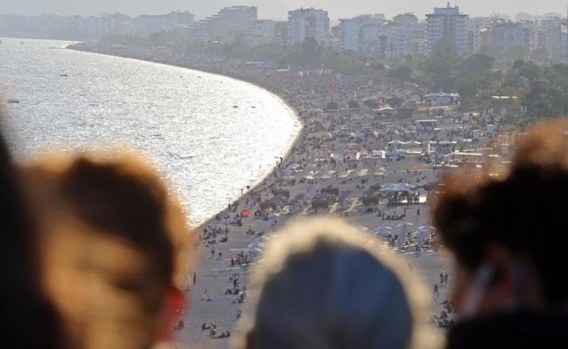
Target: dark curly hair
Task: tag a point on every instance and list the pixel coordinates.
(522, 210)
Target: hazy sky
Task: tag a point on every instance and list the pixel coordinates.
(277, 9)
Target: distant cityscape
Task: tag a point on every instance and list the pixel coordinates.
(369, 35)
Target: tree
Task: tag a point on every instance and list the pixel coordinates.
(402, 73)
(311, 49)
(476, 64)
(473, 75)
(395, 102)
(438, 69)
(540, 55)
(353, 105)
(515, 52)
(331, 106)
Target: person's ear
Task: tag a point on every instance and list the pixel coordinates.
(174, 306)
(503, 263)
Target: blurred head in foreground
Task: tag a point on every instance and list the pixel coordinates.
(508, 232)
(323, 284)
(114, 247)
(26, 318)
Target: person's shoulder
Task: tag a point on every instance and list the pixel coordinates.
(522, 329)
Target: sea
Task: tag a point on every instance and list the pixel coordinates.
(209, 136)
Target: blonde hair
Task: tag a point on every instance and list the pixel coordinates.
(114, 241)
(323, 284)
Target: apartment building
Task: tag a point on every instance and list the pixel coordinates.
(307, 22)
(447, 23)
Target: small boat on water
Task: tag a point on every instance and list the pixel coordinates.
(13, 101)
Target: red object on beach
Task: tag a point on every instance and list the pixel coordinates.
(245, 213)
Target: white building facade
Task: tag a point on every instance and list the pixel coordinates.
(357, 34)
(305, 23)
(507, 35)
(447, 23)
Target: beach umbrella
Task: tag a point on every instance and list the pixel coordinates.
(421, 235)
(273, 216)
(396, 142)
(245, 213)
(404, 225)
(256, 246)
(382, 230)
(427, 228)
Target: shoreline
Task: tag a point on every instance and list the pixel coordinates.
(261, 181)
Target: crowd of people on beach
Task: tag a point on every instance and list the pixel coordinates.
(97, 253)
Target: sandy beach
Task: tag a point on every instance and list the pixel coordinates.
(377, 172)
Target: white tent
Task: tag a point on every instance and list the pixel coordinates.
(421, 236)
(427, 228)
(382, 230)
(404, 225)
(401, 239)
(398, 187)
(396, 142)
(255, 248)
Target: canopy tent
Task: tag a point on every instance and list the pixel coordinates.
(427, 228)
(396, 142)
(398, 187)
(402, 239)
(404, 225)
(255, 248)
(421, 236)
(382, 230)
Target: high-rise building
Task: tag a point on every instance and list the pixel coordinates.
(305, 23)
(228, 24)
(447, 23)
(281, 28)
(505, 36)
(352, 34)
(263, 32)
(552, 29)
(148, 24)
(474, 29)
(408, 40)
